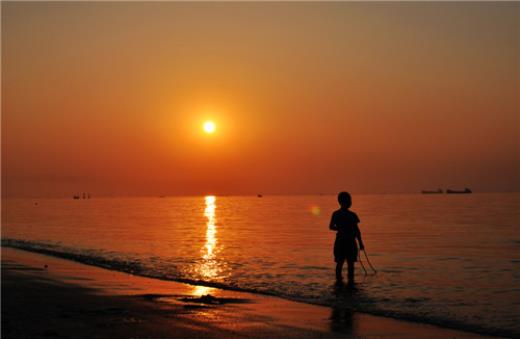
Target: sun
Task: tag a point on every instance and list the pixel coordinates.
(209, 127)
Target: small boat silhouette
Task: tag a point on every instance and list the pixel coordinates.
(439, 191)
(75, 197)
(259, 195)
(466, 191)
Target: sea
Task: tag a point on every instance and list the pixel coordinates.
(447, 259)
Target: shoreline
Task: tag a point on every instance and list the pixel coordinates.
(74, 295)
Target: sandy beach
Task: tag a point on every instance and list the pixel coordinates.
(49, 297)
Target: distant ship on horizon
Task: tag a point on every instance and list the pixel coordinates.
(448, 191)
(78, 196)
(465, 191)
(438, 191)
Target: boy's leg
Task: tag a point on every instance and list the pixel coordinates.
(350, 264)
(339, 269)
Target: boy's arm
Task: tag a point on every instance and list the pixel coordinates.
(358, 236)
(332, 225)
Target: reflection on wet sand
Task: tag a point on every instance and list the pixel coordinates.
(342, 316)
(342, 320)
(202, 290)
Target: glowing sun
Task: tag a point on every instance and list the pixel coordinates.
(209, 127)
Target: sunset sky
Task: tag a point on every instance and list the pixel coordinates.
(111, 98)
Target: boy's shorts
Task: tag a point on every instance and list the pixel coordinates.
(345, 249)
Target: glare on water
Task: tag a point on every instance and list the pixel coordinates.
(209, 268)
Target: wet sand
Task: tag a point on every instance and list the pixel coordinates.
(46, 297)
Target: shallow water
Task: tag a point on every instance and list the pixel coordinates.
(452, 260)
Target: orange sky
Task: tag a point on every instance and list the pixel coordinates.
(308, 97)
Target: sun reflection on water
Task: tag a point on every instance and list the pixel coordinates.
(209, 267)
(211, 230)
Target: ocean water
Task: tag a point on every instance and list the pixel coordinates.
(451, 260)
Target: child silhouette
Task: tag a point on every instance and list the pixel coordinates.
(345, 223)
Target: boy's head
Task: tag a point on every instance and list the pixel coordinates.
(344, 199)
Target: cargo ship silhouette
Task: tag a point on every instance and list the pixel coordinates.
(439, 191)
(466, 191)
(448, 191)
